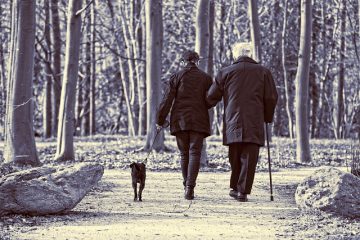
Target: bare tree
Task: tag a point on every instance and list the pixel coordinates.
(202, 33)
(47, 118)
(340, 93)
(2, 74)
(154, 44)
(202, 44)
(65, 141)
(19, 134)
(255, 29)
(85, 120)
(93, 72)
(210, 67)
(119, 45)
(302, 84)
(283, 60)
(56, 85)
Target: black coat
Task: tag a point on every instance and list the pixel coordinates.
(186, 93)
(250, 97)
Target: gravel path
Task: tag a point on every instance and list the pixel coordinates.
(109, 212)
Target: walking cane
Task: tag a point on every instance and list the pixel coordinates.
(268, 148)
(165, 125)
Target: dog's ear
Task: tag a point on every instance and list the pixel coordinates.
(143, 164)
(132, 164)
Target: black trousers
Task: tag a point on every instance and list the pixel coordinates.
(190, 144)
(243, 159)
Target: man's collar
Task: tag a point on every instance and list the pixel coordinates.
(245, 59)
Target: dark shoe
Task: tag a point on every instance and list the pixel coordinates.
(242, 197)
(189, 193)
(233, 193)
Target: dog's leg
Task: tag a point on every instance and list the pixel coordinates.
(141, 188)
(134, 185)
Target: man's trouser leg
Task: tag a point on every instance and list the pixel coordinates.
(244, 157)
(234, 155)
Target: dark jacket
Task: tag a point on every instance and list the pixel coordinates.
(187, 90)
(250, 98)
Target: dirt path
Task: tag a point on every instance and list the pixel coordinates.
(110, 213)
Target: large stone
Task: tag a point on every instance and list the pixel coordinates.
(47, 190)
(330, 190)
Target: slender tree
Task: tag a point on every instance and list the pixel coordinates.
(340, 90)
(154, 44)
(65, 141)
(202, 44)
(210, 67)
(85, 120)
(255, 29)
(283, 61)
(19, 134)
(302, 84)
(47, 118)
(313, 76)
(2, 74)
(118, 38)
(202, 33)
(56, 86)
(93, 72)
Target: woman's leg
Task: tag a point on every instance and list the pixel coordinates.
(183, 142)
(196, 143)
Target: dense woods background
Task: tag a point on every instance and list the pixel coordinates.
(112, 91)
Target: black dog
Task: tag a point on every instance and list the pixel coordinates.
(138, 175)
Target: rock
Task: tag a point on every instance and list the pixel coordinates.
(330, 190)
(47, 190)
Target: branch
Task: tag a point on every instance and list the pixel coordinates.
(83, 9)
(22, 104)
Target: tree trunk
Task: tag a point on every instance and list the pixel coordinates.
(65, 141)
(154, 44)
(79, 105)
(85, 120)
(302, 84)
(202, 33)
(222, 52)
(211, 38)
(48, 82)
(286, 85)
(202, 44)
(314, 90)
(340, 90)
(56, 86)
(140, 70)
(2, 78)
(93, 72)
(19, 136)
(255, 29)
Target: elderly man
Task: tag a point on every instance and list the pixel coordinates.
(185, 95)
(250, 97)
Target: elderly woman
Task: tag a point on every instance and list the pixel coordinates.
(189, 121)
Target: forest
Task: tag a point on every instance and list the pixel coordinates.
(114, 68)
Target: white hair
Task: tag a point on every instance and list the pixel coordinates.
(242, 49)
